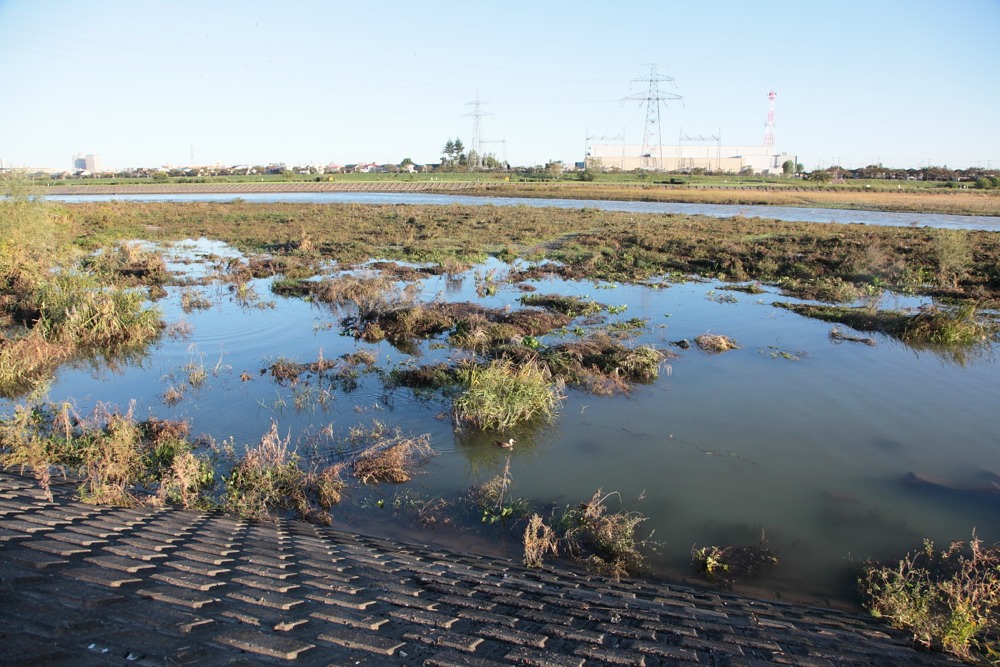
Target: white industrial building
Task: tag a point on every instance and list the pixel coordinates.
(712, 157)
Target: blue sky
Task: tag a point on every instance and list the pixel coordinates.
(149, 82)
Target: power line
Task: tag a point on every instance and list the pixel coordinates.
(652, 99)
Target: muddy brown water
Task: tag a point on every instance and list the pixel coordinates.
(835, 451)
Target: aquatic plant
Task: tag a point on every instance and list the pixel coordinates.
(606, 541)
(728, 563)
(494, 500)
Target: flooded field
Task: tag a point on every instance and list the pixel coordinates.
(786, 213)
(832, 449)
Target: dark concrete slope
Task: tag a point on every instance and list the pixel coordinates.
(86, 585)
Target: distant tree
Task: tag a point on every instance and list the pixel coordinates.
(459, 146)
(554, 168)
(820, 176)
(788, 167)
(406, 163)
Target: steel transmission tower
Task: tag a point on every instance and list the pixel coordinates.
(769, 126)
(476, 144)
(653, 97)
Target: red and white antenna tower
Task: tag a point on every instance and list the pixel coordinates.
(769, 126)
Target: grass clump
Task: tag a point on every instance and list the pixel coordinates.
(269, 480)
(388, 456)
(602, 365)
(500, 395)
(129, 263)
(947, 599)
(715, 343)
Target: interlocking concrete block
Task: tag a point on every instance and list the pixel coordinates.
(522, 655)
(265, 598)
(470, 602)
(102, 576)
(423, 617)
(33, 558)
(340, 599)
(573, 634)
(449, 659)
(194, 566)
(120, 563)
(350, 617)
(260, 570)
(444, 639)
(260, 616)
(130, 551)
(512, 636)
(487, 618)
(339, 584)
(56, 548)
(362, 640)
(22, 526)
(264, 643)
(184, 597)
(265, 583)
(609, 657)
(196, 582)
(669, 651)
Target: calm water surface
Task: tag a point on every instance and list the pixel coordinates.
(813, 450)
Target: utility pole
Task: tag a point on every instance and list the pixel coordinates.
(652, 98)
(769, 126)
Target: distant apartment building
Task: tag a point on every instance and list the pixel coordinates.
(86, 163)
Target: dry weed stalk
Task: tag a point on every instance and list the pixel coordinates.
(391, 457)
(539, 539)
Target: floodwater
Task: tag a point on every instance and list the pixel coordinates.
(795, 435)
(784, 213)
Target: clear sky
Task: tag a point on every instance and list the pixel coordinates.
(153, 82)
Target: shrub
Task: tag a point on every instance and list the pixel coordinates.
(947, 599)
